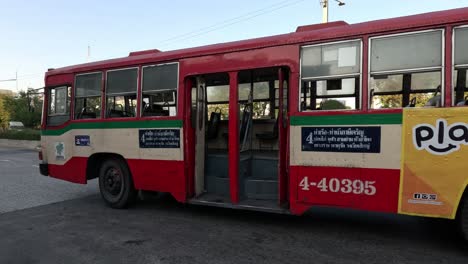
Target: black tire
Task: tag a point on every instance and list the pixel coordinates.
(116, 184)
(463, 217)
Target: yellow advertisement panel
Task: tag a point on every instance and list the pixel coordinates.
(434, 170)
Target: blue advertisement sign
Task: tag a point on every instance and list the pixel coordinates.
(341, 139)
(159, 138)
(82, 141)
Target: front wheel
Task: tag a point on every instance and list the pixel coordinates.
(463, 217)
(115, 184)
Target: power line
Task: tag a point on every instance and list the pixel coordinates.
(231, 21)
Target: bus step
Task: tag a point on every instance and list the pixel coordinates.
(268, 206)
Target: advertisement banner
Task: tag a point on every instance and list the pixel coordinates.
(434, 169)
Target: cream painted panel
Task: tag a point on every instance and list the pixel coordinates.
(389, 158)
(122, 141)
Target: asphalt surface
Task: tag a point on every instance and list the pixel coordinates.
(84, 230)
(22, 186)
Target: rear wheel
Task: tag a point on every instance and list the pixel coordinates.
(463, 217)
(115, 184)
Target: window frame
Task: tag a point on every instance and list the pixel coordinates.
(105, 94)
(68, 105)
(141, 91)
(454, 84)
(403, 71)
(343, 76)
(74, 94)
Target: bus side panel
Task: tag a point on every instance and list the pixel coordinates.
(358, 188)
(159, 175)
(74, 170)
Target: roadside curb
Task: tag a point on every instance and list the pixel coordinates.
(28, 144)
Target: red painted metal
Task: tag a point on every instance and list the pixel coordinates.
(448, 67)
(321, 26)
(103, 95)
(159, 175)
(139, 92)
(365, 72)
(282, 130)
(74, 170)
(386, 181)
(233, 138)
(168, 177)
(189, 139)
(143, 52)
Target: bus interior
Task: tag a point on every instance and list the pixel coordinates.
(258, 106)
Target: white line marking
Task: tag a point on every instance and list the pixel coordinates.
(36, 166)
(5, 160)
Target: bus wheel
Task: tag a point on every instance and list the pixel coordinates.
(463, 217)
(115, 184)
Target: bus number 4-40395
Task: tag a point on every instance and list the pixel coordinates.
(336, 185)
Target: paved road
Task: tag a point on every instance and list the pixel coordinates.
(83, 230)
(22, 186)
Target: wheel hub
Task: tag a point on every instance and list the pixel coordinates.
(113, 181)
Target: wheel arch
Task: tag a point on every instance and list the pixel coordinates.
(94, 163)
(461, 197)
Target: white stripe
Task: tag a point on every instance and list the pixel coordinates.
(424, 202)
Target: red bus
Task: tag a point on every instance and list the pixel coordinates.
(367, 116)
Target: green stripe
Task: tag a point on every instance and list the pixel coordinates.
(114, 125)
(353, 119)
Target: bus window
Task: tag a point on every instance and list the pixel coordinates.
(217, 96)
(460, 66)
(121, 93)
(331, 76)
(406, 70)
(59, 105)
(88, 95)
(159, 94)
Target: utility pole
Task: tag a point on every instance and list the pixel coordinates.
(324, 5)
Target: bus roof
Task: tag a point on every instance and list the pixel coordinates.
(304, 34)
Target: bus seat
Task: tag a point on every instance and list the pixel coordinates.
(85, 114)
(213, 125)
(412, 102)
(268, 136)
(115, 113)
(434, 101)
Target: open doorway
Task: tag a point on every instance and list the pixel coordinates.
(262, 106)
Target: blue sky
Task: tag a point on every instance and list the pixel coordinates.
(36, 35)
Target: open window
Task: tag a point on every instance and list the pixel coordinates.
(159, 96)
(88, 95)
(331, 75)
(406, 70)
(59, 105)
(460, 66)
(121, 93)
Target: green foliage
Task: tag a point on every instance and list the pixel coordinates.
(4, 115)
(25, 134)
(332, 105)
(24, 108)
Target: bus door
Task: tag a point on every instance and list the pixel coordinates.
(200, 105)
(262, 104)
(210, 104)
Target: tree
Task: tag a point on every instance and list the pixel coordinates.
(4, 115)
(24, 108)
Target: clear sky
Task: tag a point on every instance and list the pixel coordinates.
(36, 35)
